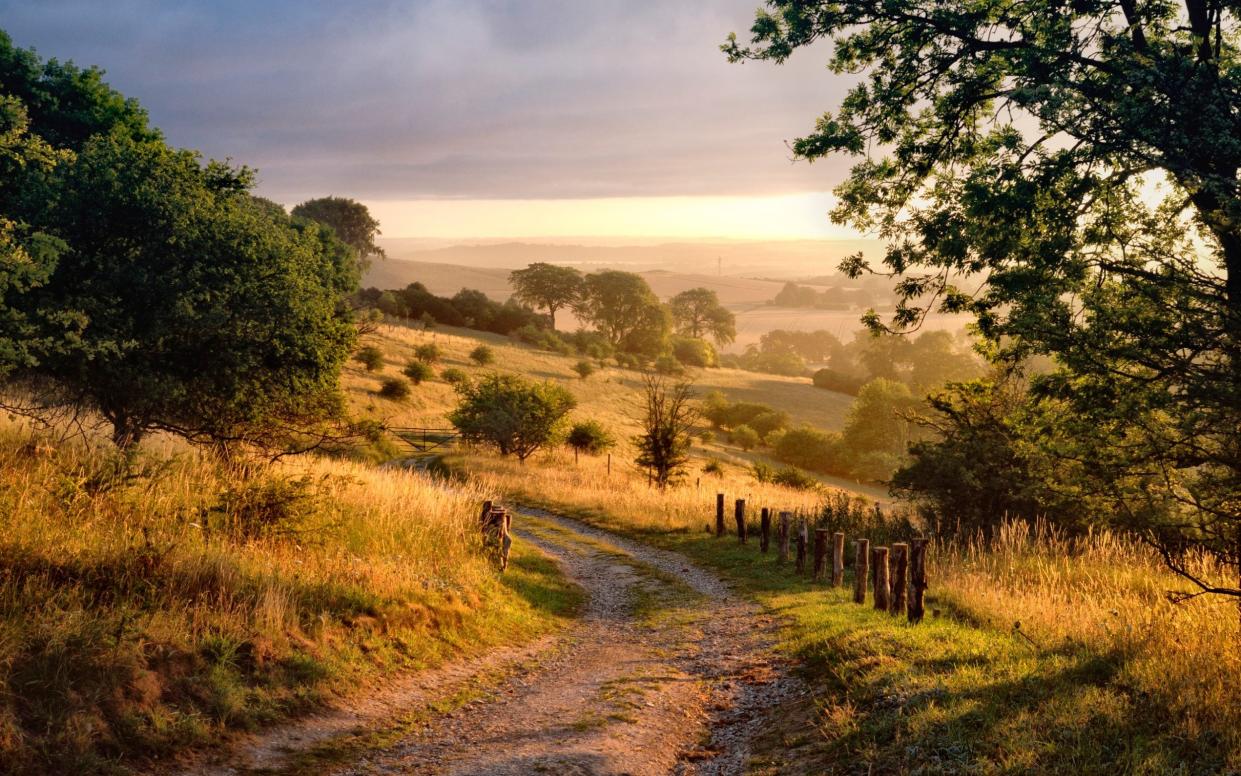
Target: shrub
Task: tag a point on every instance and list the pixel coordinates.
(713, 467)
(483, 355)
(706, 436)
(428, 320)
(667, 364)
(811, 449)
(428, 353)
(791, 477)
(417, 371)
(584, 369)
(514, 414)
(628, 361)
(590, 437)
(454, 376)
(763, 472)
(774, 438)
(370, 357)
(832, 380)
(744, 437)
(544, 339)
(694, 352)
(394, 388)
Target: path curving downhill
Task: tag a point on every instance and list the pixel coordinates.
(667, 672)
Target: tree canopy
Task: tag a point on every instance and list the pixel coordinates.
(1008, 152)
(547, 286)
(351, 220)
(147, 286)
(624, 309)
(698, 313)
(515, 415)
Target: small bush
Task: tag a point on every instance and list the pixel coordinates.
(417, 371)
(370, 357)
(544, 339)
(713, 467)
(744, 437)
(628, 361)
(428, 353)
(763, 472)
(797, 479)
(584, 369)
(483, 355)
(707, 436)
(428, 320)
(394, 388)
(590, 437)
(667, 364)
(454, 376)
(831, 380)
(694, 352)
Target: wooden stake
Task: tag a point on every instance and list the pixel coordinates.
(861, 567)
(764, 527)
(740, 517)
(883, 593)
(900, 564)
(838, 559)
(785, 519)
(719, 514)
(801, 545)
(917, 579)
(820, 554)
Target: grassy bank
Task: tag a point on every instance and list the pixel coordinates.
(147, 610)
(1102, 675)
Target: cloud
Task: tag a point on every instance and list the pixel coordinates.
(456, 99)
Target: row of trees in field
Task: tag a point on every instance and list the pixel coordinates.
(624, 316)
(144, 285)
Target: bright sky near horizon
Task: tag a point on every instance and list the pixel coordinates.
(475, 118)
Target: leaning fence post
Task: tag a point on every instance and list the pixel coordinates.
(801, 545)
(764, 529)
(917, 578)
(883, 592)
(838, 559)
(861, 566)
(785, 519)
(719, 514)
(820, 553)
(740, 517)
(900, 562)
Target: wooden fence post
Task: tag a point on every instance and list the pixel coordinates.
(785, 519)
(740, 516)
(764, 529)
(802, 536)
(820, 554)
(861, 567)
(883, 592)
(900, 563)
(719, 514)
(917, 578)
(838, 559)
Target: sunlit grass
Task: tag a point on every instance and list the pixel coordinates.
(142, 614)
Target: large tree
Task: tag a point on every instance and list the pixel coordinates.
(1008, 152)
(351, 220)
(547, 286)
(698, 314)
(515, 415)
(624, 309)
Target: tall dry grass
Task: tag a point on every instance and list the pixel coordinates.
(147, 607)
(1109, 594)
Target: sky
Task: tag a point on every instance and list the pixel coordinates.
(476, 119)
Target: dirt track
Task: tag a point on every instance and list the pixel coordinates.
(667, 672)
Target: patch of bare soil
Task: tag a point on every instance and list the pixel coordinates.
(668, 672)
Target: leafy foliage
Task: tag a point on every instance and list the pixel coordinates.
(547, 286)
(418, 372)
(625, 311)
(351, 221)
(515, 415)
(483, 355)
(370, 357)
(590, 437)
(698, 313)
(667, 419)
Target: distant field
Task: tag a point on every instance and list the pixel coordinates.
(746, 297)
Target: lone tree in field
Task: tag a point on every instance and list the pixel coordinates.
(1006, 153)
(622, 307)
(589, 437)
(515, 415)
(351, 220)
(667, 419)
(699, 314)
(547, 286)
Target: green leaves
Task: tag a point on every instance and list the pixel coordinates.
(515, 415)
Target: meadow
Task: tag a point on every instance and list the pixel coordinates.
(156, 606)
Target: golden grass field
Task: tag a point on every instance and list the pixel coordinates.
(141, 614)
